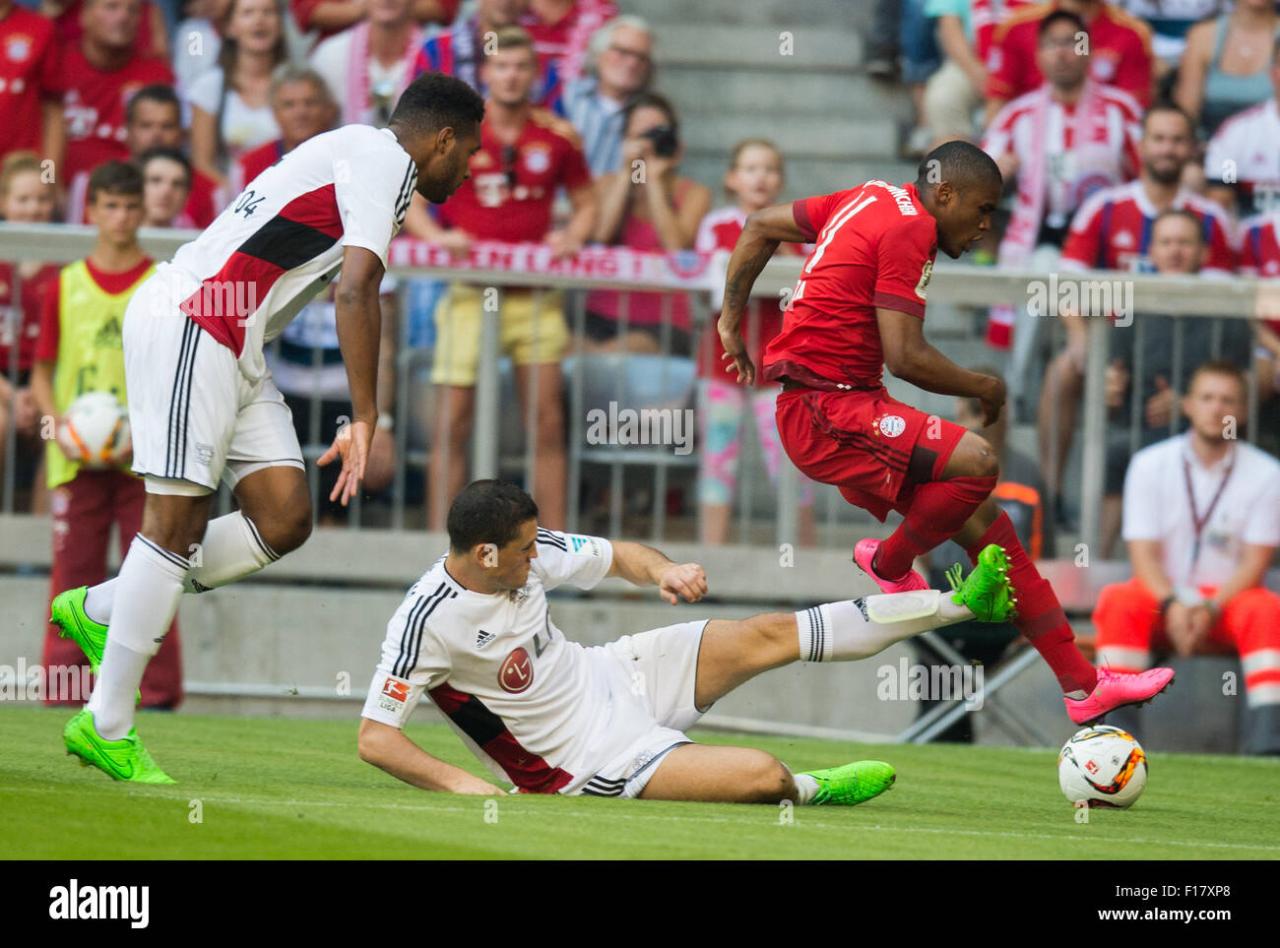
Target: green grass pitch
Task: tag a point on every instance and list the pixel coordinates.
(282, 788)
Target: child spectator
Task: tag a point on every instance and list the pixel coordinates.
(754, 180)
(80, 351)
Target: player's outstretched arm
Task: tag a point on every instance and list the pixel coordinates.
(644, 566)
(763, 231)
(386, 747)
(358, 312)
(908, 356)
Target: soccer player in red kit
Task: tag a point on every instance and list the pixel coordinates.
(859, 305)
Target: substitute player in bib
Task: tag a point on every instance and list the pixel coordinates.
(202, 404)
(858, 306)
(552, 716)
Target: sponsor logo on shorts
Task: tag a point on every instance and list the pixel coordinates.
(516, 673)
(204, 453)
(891, 425)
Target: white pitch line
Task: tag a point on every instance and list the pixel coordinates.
(636, 815)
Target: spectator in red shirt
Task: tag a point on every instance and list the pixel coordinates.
(30, 111)
(525, 155)
(328, 17)
(1119, 49)
(97, 78)
(154, 120)
(25, 197)
(166, 183)
(303, 109)
(151, 40)
(561, 30)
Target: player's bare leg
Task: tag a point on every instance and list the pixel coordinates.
(455, 412)
(733, 651)
(549, 470)
(1056, 420)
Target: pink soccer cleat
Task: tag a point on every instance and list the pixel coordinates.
(1116, 690)
(865, 552)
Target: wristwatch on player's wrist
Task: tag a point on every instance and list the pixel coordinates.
(386, 421)
(1166, 602)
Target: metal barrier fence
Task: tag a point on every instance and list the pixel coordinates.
(627, 332)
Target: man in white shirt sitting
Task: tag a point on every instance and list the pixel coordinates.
(1202, 521)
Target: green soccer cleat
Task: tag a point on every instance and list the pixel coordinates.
(125, 759)
(986, 591)
(853, 783)
(67, 613)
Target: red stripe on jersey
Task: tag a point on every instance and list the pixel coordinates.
(526, 769)
(244, 281)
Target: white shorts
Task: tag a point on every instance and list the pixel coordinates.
(195, 418)
(652, 678)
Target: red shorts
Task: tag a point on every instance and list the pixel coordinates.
(862, 442)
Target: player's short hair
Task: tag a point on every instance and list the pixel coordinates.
(1165, 105)
(158, 93)
(1061, 16)
(287, 73)
(16, 163)
(1222, 367)
(1184, 214)
(122, 178)
(961, 163)
(168, 154)
(512, 37)
(434, 101)
(488, 511)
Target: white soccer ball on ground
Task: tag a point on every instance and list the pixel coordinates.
(95, 428)
(1102, 766)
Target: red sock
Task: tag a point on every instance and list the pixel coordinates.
(938, 510)
(1040, 615)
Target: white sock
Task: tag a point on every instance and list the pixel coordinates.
(121, 670)
(806, 787)
(232, 549)
(843, 632)
(149, 587)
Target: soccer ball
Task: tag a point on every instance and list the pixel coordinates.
(95, 428)
(1102, 766)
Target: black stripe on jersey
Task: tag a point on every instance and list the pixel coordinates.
(477, 722)
(406, 191)
(286, 244)
(172, 557)
(411, 640)
(552, 539)
(175, 395)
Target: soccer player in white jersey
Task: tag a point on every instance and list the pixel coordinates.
(203, 407)
(551, 716)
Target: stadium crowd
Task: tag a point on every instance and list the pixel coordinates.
(1134, 136)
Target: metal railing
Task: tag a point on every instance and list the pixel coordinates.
(628, 486)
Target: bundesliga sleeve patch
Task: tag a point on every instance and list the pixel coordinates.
(394, 695)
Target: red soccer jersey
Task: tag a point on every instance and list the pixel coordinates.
(94, 103)
(875, 246)
(511, 188)
(720, 230)
(27, 322)
(1119, 53)
(68, 29)
(1260, 254)
(1112, 231)
(986, 16)
(565, 40)
(28, 74)
(200, 210)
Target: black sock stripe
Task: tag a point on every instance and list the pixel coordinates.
(262, 544)
(169, 555)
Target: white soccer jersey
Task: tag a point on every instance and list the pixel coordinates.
(534, 706)
(281, 240)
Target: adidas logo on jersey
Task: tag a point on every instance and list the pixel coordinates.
(484, 638)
